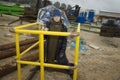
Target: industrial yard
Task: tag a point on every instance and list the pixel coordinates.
(94, 64)
(99, 61)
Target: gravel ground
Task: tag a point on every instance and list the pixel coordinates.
(94, 64)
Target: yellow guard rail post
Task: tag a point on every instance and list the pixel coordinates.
(20, 29)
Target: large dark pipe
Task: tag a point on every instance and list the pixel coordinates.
(6, 69)
(12, 66)
(12, 51)
(32, 74)
(23, 42)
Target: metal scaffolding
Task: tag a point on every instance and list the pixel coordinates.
(20, 29)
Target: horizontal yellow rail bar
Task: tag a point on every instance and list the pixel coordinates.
(56, 33)
(28, 31)
(56, 66)
(29, 63)
(27, 25)
(45, 64)
(44, 32)
(28, 49)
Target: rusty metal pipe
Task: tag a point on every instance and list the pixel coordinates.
(12, 66)
(23, 42)
(12, 51)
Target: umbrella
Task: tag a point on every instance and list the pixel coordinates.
(45, 15)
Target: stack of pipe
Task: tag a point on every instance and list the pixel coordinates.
(9, 50)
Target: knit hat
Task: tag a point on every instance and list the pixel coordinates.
(56, 12)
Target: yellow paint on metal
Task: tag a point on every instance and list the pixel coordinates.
(78, 28)
(28, 49)
(29, 31)
(56, 66)
(39, 27)
(56, 33)
(27, 25)
(76, 54)
(41, 55)
(44, 32)
(18, 55)
(29, 63)
(45, 64)
(41, 49)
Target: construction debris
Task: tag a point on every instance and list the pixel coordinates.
(93, 46)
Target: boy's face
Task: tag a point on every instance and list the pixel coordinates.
(56, 18)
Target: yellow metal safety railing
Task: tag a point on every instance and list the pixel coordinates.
(41, 34)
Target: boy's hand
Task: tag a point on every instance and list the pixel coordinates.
(12, 30)
(75, 34)
(46, 29)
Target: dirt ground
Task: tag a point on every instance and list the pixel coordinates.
(94, 64)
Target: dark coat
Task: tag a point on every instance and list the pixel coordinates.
(60, 55)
